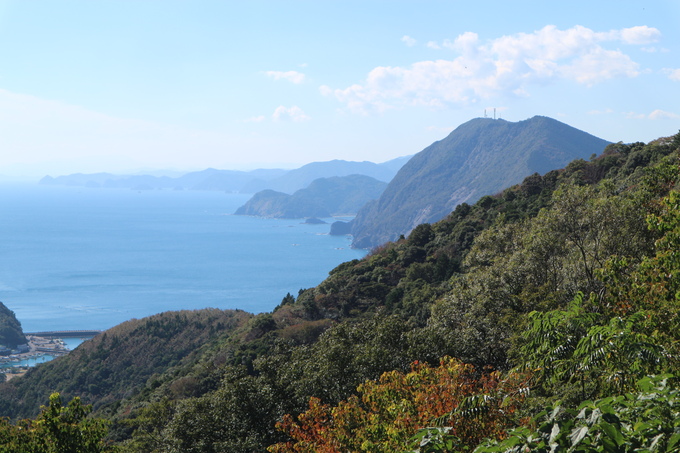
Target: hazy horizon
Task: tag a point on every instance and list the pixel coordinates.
(170, 172)
(169, 85)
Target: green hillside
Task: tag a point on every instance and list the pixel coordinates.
(480, 157)
(556, 296)
(120, 362)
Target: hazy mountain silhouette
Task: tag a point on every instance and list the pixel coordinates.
(324, 197)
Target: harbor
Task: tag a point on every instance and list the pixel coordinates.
(43, 347)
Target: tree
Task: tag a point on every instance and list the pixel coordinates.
(469, 404)
(647, 420)
(58, 429)
(578, 351)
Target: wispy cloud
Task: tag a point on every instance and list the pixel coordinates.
(655, 115)
(406, 39)
(291, 76)
(662, 115)
(654, 49)
(293, 113)
(256, 119)
(673, 74)
(509, 65)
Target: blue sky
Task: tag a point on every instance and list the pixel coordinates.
(122, 86)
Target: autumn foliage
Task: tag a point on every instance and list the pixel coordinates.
(473, 405)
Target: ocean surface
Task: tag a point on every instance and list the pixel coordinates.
(79, 258)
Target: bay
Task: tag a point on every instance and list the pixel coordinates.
(80, 258)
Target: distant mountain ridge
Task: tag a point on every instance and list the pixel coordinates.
(287, 181)
(301, 177)
(208, 179)
(324, 197)
(481, 156)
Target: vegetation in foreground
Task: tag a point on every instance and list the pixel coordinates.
(558, 299)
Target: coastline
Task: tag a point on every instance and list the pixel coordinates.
(16, 365)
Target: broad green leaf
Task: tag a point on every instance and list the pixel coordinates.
(673, 441)
(577, 435)
(613, 432)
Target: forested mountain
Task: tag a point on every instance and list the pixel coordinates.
(122, 361)
(480, 157)
(11, 334)
(544, 316)
(324, 197)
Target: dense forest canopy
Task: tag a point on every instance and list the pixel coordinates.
(546, 314)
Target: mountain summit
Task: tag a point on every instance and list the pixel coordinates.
(480, 157)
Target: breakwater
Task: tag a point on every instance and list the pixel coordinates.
(65, 334)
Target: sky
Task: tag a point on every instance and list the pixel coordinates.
(128, 86)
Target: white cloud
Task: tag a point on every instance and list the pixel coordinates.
(673, 74)
(463, 43)
(638, 35)
(255, 119)
(655, 115)
(291, 76)
(507, 65)
(653, 49)
(406, 39)
(293, 113)
(600, 65)
(660, 115)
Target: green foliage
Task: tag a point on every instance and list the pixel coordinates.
(647, 420)
(463, 287)
(119, 361)
(471, 404)
(58, 429)
(578, 351)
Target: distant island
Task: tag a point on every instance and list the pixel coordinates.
(325, 197)
(286, 181)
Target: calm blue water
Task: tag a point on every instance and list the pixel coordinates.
(77, 258)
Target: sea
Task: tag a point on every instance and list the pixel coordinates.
(76, 258)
